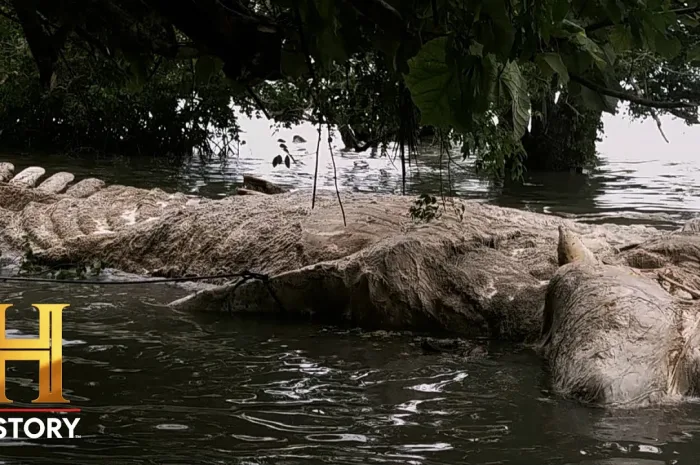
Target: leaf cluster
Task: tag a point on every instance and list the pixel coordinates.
(464, 64)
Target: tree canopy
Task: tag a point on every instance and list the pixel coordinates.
(477, 69)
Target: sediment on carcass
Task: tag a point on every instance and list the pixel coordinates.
(615, 337)
(6, 171)
(421, 283)
(675, 255)
(482, 274)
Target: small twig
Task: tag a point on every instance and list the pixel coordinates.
(651, 110)
(335, 174)
(318, 147)
(695, 294)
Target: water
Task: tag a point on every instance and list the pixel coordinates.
(641, 179)
(160, 387)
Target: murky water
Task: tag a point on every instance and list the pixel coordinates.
(159, 387)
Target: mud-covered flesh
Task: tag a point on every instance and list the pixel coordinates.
(613, 336)
(483, 273)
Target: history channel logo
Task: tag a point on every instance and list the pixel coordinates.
(41, 422)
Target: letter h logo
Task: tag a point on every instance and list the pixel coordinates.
(46, 349)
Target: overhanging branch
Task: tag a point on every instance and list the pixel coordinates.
(630, 97)
(608, 22)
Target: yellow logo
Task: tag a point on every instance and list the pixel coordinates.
(46, 349)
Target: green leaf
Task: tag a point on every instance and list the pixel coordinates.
(688, 21)
(560, 9)
(668, 48)
(514, 82)
(610, 54)
(598, 102)
(476, 49)
(205, 68)
(489, 75)
(620, 38)
(587, 45)
(659, 21)
(693, 54)
(502, 29)
(555, 64)
(429, 79)
(613, 10)
(496, 10)
(572, 27)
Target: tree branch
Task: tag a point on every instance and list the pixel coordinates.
(653, 112)
(629, 97)
(43, 45)
(258, 102)
(608, 22)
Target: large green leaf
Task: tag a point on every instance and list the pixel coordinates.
(613, 10)
(621, 38)
(551, 63)
(598, 102)
(503, 32)
(667, 47)
(513, 80)
(586, 44)
(489, 75)
(430, 80)
(688, 21)
(560, 8)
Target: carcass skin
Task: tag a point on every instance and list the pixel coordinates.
(614, 337)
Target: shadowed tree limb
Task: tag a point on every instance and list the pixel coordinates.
(43, 45)
(608, 22)
(629, 97)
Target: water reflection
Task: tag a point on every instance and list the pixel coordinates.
(163, 387)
